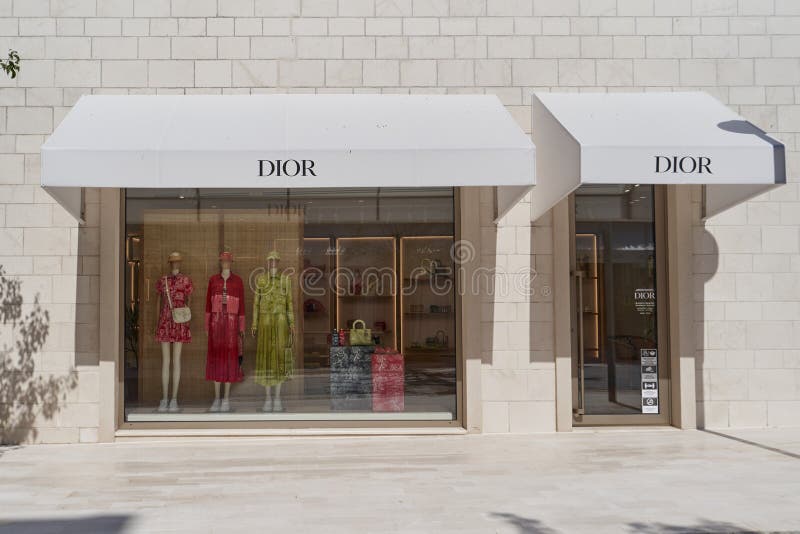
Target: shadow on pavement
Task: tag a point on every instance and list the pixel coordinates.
(524, 525)
(101, 524)
(754, 444)
(704, 526)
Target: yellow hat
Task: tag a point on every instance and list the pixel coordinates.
(174, 256)
(274, 256)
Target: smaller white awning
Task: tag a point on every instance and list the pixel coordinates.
(289, 141)
(650, 138)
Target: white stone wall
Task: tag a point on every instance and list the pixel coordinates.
(745, 52)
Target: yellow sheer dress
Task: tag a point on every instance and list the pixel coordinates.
(273, 319)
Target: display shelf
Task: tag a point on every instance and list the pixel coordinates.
(317, 323)
(587, 251)
(369, 286)
(366, 296)
(420, 259)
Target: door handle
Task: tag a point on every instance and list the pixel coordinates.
(581, 410)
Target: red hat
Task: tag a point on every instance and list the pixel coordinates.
(225, 256)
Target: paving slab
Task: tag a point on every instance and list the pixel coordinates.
(623, 480)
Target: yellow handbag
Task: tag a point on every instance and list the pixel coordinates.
(360, 334)
(288, 357)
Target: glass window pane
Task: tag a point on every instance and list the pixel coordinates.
(615, 249)
(315, 305)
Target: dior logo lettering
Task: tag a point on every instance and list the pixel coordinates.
(642, 294)
(683, 164)
(286, 167)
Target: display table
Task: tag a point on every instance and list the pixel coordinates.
(351, 378)
(388, 382)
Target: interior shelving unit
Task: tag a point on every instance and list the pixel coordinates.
(586, 250)
(427, 297)
(402, 288)
(366, 285)
(317, 306)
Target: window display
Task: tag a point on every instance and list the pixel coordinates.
(319, 305)
(173, 330)
(224, 327)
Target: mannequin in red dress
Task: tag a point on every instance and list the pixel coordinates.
(169, 333)
(224, 323)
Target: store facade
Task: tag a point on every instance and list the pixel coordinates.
(454, 245)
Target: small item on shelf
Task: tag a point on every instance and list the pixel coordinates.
(441, 338)
(434, 308)
(431, 266)
(313, 306)
(380, 326)
(371, 287)
(438, 341)
(417, 308)
(343, 338)
(439, 309)
(335, 338)
(360, 334)
(309, 270)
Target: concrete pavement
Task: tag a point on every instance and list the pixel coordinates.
(652, 481)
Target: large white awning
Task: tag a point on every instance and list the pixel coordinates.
(650, 138)
(289, 141)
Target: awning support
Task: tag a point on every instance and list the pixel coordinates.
(72, 199)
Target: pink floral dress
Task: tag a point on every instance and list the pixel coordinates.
(180, 287)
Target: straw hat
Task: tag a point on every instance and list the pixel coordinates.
(274, 256)
(174, 257)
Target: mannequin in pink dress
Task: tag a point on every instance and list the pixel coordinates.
(170, 334)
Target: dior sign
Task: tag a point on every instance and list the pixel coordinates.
(286, 167)
(683, 164)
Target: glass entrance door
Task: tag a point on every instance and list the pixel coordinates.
(619, 360)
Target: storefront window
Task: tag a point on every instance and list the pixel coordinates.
(317, 305)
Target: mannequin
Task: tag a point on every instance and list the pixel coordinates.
(273, 325)
(224, 323)
(170, 334)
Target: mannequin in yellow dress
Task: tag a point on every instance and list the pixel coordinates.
(273, 326)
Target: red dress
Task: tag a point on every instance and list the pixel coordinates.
(180, 287)
(224, 321)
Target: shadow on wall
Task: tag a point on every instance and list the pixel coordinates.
(23, 394)
(105, 524)
(710, 266)
(525, 525)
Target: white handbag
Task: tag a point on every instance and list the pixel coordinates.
(179, 315)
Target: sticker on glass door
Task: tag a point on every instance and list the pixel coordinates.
(649, 362)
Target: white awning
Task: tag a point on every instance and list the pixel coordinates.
(288, 141)
(650, 138)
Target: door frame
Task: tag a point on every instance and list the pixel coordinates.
(664, 417)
